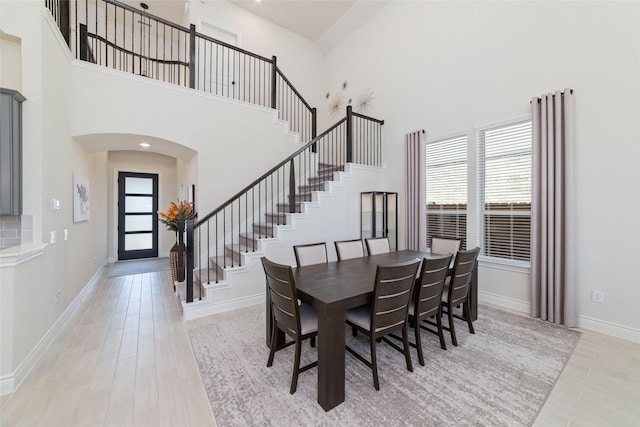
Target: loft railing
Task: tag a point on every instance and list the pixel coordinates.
(119, 36)
(218, 239)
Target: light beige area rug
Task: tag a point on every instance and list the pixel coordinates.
(501, 376)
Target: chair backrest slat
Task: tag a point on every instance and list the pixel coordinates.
(391, 296)
(430, 283)
(282, 291)
(461, 276)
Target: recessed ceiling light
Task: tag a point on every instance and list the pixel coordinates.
(144, 145)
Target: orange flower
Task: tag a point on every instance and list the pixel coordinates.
(175, 212)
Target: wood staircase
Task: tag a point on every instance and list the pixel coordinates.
(249, 241)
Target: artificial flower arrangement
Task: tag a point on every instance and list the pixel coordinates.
(176, 211)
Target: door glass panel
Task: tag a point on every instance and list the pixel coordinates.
(134, 242)
(138, 185)
(138, 223)
(138, 204)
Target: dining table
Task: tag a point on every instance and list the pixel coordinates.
(333, 288)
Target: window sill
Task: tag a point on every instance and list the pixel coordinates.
(504, 264)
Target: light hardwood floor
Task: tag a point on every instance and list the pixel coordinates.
(124, 359)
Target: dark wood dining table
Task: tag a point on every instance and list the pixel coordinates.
(332, 289)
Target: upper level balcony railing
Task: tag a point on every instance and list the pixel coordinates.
(121, 37)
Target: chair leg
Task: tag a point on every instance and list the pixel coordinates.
(452, 328)
(407, 353)
(418, 341)
(274, 342)
(467, 314)
(312, 341)
(354, 331)
(440, 330)
(296, 368)
(374, 364)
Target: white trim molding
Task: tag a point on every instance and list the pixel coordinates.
(10, 383)
(16, 255)
(505, 302)
(609, 328)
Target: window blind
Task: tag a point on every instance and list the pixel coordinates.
(446, 188)
(505, 190)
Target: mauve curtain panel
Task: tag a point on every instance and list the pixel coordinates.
(416, 230)
(553, 294)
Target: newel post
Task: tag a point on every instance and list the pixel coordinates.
(274, 69)
(84, 43)
(314, 127)
(192, 56)
(349, 134)
(189, 264)
(292, 187)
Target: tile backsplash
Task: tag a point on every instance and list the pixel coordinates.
(15, 230)
(10, 231)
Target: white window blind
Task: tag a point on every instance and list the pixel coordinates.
(446, 188)
(504, 155)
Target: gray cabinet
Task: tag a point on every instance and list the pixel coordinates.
(10, 152)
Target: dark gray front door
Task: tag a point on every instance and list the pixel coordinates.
(137, 215)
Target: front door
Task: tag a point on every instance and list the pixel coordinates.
(137, 215)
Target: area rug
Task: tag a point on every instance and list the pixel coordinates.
(502, 375)
(124, 268)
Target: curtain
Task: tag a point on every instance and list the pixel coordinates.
(553, 294)
(416, 211)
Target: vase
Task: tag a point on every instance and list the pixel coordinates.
(176, 259)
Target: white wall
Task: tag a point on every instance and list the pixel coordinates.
(50, 158)
(452, 66)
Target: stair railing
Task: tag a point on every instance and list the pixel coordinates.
(218, 239)
(115, 35)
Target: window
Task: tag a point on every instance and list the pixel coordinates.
(504, 154)
(446, 188)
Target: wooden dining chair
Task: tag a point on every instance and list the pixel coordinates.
(444, 245)
(377, 245)
(427, 300)
(347, 249)
(456, 290)
(387, 312)
(297, 321)
(312, 253)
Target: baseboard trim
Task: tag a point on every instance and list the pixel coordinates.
(609, 328)
(196, 310)
(505, 302)
(10, 383)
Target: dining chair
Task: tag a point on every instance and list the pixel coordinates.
(347, 249)
(427, 298)
(312, 253)
(387, 312)
(444, 245)
(297, 321)
(456, 290)
(377, 245)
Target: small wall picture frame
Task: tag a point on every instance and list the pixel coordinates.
(81, 208)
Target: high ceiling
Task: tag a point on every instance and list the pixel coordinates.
(309, 18)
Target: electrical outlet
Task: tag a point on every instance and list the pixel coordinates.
(597, 296)
(57, 295)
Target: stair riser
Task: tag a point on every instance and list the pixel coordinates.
(263, 231)
(276, 218)
(250, 244)
(285, 207)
